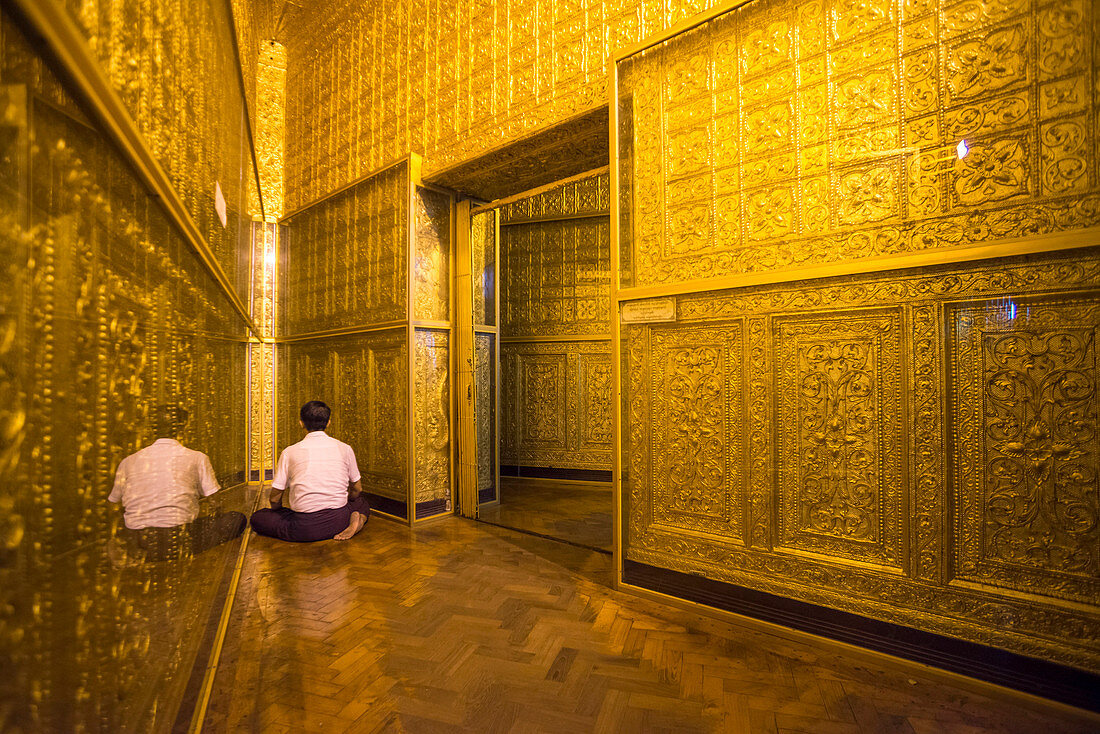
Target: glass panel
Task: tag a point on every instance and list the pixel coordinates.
(483, 235)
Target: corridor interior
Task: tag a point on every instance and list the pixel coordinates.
(711, 365)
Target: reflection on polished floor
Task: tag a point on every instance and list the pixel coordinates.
(576, 512)
(463, 627)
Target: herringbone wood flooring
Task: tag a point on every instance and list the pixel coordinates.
(462, 627)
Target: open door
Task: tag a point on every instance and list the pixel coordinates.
(477, 358)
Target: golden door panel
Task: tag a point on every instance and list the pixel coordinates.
(433, 411)
(840, 435)
(557, 404)
(960, 501)
(344, 262)
(1027, 445)
(697, 414)
(758, 142)
(431, 271)
(485, 386)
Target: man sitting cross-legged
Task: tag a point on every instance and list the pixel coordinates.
(321, 479)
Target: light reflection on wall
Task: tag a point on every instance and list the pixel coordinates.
(107, 317)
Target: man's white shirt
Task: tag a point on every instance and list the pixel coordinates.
(316, 473)
(160, 485)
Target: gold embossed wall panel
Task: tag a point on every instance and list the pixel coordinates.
(587, 196)
(364, 379)
(431, 268)
(555, 278)
(840, 435)
(1023, 377)
(485, 417)
(452, 79)
(916, 446)
(344, 262)
(107, 318)
(483, 246)
(180, 81)
(556, 404)
(791, 133)
(433, 422)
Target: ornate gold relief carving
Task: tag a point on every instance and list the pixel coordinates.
(557, 404)
(270, 129)
(697, 413)
(541, 399)
(106, 316)
(161, 63)
(458, 82)
(1027, 449)
(556, 277)
(817, 148)
(431, 271)
(1000, 548)
(485, 415)
(595, 404)
(344, 262)
(433, 410)
(583, 197)
(840, 413)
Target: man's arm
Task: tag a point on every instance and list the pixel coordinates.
(354, 489)
(279, 482)
(275, 497)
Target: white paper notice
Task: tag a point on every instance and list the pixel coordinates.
(219, 202)
(649, 312)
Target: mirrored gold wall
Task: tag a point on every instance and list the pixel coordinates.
(916, 445)
(111, 318)
(364, 326)
(555, 332)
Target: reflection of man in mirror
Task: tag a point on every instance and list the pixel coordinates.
(160, 487)
(321, 480)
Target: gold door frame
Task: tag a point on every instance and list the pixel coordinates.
(462, 361)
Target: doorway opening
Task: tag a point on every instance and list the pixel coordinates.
(539, 357)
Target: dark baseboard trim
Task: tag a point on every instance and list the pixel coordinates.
(388, 505)
(486, 495)
(431, 507)
(553, 472)
(1030, 675)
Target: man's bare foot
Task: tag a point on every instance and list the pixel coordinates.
(356, 524)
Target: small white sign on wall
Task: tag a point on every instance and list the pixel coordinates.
(649, 312)
(219, 202)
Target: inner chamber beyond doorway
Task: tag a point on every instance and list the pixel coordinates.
(541, 284)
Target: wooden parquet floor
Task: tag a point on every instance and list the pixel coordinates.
(462, 627)
(577, 512)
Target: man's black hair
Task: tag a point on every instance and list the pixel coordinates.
(168, 420)
(315, 415)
